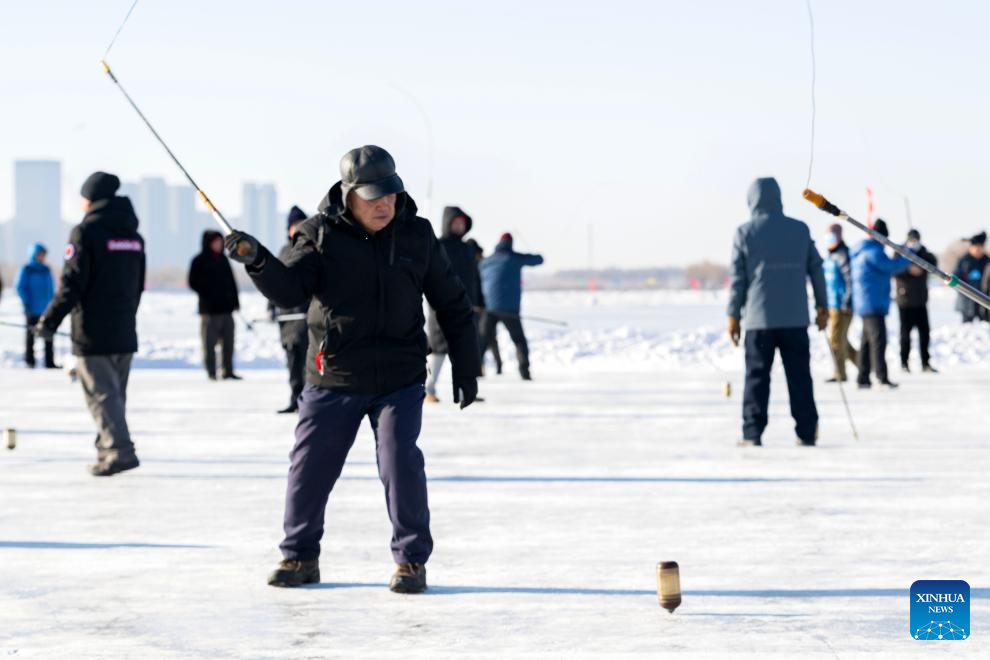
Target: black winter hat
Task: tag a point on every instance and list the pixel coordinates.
(100, 185)
(296, 214)
(880, 227)
(979, 239)
(914, 235)
(370, 172)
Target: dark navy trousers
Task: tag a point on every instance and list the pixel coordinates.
(795, 353)
(328, 424)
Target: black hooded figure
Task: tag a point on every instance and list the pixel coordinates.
(212, 279)
(363, 264)
(463, 261)
(971, 268)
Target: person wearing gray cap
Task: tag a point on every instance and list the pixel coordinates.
(363, 265)
(102, 283)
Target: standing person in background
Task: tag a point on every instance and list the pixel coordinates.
(773, 257)
(479, 254)
(36, 289)
(970, 269)
(456, 224)
(912, 303)
(294, 334)
(501, 281)
(872, 270)
(102, 283)
(838, 280)
(212, 279)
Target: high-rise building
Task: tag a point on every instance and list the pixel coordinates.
(152, 212)
(182, 221)
(38, 207)
(259, 213)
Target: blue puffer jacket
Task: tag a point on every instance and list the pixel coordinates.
(34, 283)
(501, 277)
(838, 278)
(871, 271)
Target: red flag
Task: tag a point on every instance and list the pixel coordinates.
(869, 207)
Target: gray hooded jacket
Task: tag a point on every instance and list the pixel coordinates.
(772, 257)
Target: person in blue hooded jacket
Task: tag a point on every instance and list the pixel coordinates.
(872, 270)
(773, 257)
(838, 280)
(36, 289)
(501, 285)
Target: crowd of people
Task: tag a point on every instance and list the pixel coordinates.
(347, 290)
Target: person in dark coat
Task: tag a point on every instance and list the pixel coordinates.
(970, 269)
(479, 255)
(456, 224)
(838, 281)
(36, 289)
(872, 270)
(293, 333)
(364, 263)
(773, 258)
(102, 283)
(501, 281)
(911, 296)
(212, 279)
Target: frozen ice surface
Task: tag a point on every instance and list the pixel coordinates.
(552, 502)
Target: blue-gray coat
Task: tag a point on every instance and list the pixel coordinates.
(772, 258)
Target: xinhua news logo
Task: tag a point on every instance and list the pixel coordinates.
(940, 610)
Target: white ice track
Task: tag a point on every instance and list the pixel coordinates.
(552, 503)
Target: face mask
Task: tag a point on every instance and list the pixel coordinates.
(913, 244)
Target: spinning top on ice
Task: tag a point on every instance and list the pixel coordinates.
(727, 389)
(10, 438)
(669, 585)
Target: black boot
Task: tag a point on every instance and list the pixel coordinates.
(108, 468)
(750, 442)
(291, 409)
(408, 579)
(294, 573)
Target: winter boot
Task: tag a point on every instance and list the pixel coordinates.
(294, 573)
(929, 369)
(108, 468)
(750, 442)
(905, 368)
(889, 385)
(408, 579)
(232, 376)
(432, 398)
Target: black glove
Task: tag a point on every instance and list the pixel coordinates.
(465, 391)
(43, 331)
(242, 248)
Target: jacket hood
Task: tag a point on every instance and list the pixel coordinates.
(764, 198)
(451, 212)
(208, 237)
(33, 252)
(866, 245)
(115, 212)
(332, 206)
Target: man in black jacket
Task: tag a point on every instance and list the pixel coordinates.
(456, 224)
(212, 279)
(102, 282)
(293, 333)
(912, 302)
(363, 264)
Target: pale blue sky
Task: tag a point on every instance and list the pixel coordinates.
(646, 120)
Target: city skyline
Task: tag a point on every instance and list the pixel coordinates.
(171, 218)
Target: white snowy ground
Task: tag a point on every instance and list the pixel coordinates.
(552, 502)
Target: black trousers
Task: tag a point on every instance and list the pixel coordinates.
(513, 324)
(29, 345)
(295, 356)
(911, 318)
(217, 328)
(873, 349)
(795, 353)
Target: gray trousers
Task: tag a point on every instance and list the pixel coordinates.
(436, 366)
(215, 328)
(104, 383)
